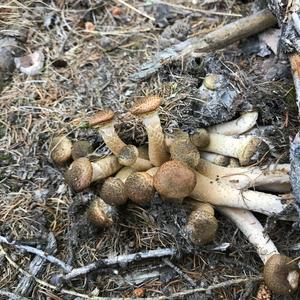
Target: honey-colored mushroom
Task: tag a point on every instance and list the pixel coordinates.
(61, 149)
(202, 225)
(281, 274)
(82, 172)
(146, 109)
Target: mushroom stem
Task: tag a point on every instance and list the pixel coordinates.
(156, 140)
(105, 167)
(236, 127)
(247, 149)
(214, 158)
(104, 121)
(111, 139)
(124, 173)
(147, 110)
(252, 229)
(220, 194)
(273, 178)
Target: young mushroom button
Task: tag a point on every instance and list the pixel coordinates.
(202, 225)
(60, 149)
(281, 274)
(139, 188)
(174, 180)
(147, 110)
(113, 191)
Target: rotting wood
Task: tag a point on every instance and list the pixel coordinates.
(217, 39)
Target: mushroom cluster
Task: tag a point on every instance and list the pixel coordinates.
(189, 168)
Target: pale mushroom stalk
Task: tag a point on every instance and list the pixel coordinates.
(104, 121)
(274, 178)
(147, 110)
(156, 139)
(111, 138)
(281, 273)
(252, 229)
(236, 127)
(105, 167)
(175, 179)
(214, 158)
(247, 149)
(82, 172)
(220, 194)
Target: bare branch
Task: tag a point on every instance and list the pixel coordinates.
(43, 254)
(220, 38)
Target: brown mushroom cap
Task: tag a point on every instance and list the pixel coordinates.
(253, 151)
(200, 138)
(81, 149)
(60, 148)
(101, 117)
(281, 274)
(139, 188)
(113, 191)
(146, 105)
(202, 226)
(100, 213)
(128, 155)
(174, 179)
(80, 173)
(185, 151)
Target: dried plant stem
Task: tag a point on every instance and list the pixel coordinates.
(220, 38)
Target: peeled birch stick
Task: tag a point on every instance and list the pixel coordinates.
(218, 39)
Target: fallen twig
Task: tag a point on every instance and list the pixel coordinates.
(43, 254)
(220, 38)
(121, 260)
(36, 266)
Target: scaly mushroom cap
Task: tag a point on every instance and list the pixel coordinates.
(281, 274)
(183, 150)
(128, 155)
(81, 149)
(139, 188)
(175, 180)
(80, 173)
(146, 105)
(200, 138)
(253, 151)
(60, 148)
(102, 117)
(100, 213)
(113, 192)
(202, 226)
